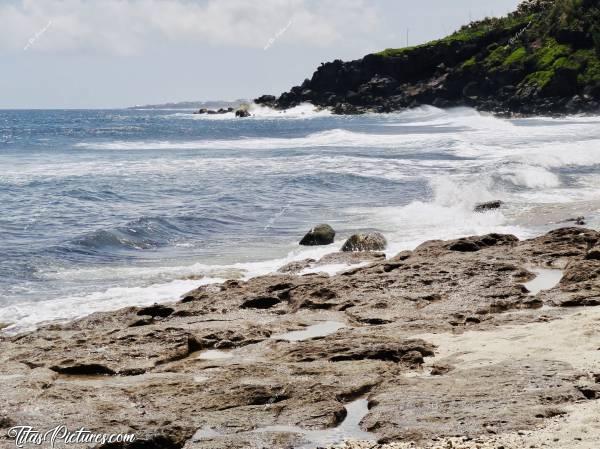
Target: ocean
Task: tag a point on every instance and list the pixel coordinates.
(101, 209)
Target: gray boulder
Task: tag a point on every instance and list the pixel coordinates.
(322, 234)
(372, 241)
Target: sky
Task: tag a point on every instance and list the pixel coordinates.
(119, 53)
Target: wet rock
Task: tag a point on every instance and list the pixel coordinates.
(350, 258)
(393, 266)
(476, 243)
(6, 422)
(373, 241)
(402, 255)
(579, 285)
(242, 113)
(322, 234)
(280, 286)
(144, 321)
(464, 246)
(439, 369)
(490, 205)
(157, 310)
(212, 111)
(579, 221)
(590, 391)
(261, 302)
(560, 245)
(338, 349)
(82, 369)
(593, 254)
(296, 266)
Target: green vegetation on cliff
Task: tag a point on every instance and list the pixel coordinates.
(543, 42)
(544, 58)
(469, 33)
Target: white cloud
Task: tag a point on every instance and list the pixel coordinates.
(130, 26)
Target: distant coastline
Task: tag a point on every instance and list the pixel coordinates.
(209, 104)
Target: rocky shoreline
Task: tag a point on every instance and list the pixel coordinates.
(453, 339)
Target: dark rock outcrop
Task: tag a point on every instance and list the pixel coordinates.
(213, 111)
(593, 253)
(157, 310)
(322, 234)
(475, 243)
(242, 113)
(541, 59)
(579, 221)
(490, 205)
(261, 302)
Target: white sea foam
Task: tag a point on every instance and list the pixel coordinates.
(28, 315)
(449, 215)
(302, 111)
(530, 176)
(329, 138)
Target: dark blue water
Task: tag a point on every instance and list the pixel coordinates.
(99, 209)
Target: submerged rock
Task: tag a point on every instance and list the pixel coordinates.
(373, 241)
(490, 205)
(212, 111)
(322, 234)
(579, 221)
(242, 113)
(296, 266)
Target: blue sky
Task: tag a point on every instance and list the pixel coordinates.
(116, 53)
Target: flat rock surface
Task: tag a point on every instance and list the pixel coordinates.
(442, 342)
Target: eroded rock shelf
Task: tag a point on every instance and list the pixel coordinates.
(441, 341)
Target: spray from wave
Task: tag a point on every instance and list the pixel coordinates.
(258, 112)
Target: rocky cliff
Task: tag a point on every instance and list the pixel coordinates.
(541, 59)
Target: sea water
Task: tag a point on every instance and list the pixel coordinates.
(101, 209)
